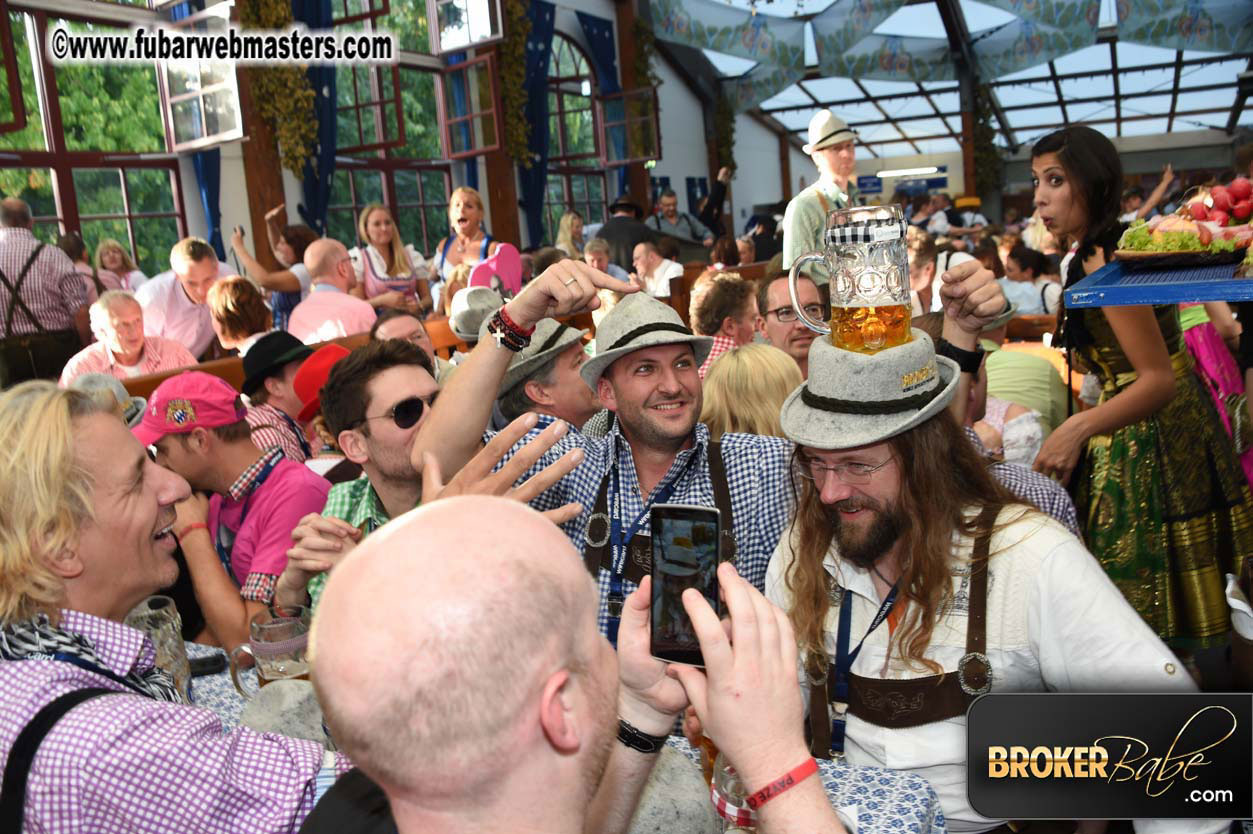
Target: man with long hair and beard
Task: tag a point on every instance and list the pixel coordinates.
(915, 581)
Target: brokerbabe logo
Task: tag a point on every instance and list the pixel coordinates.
(1068, 756)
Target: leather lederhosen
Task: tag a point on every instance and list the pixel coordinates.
(898, 704)
(38, 355)
(598, 549)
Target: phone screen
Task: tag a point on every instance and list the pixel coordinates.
(685, 555)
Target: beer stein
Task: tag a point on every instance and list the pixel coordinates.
(158, 618)
(278, 638)
(867, 259)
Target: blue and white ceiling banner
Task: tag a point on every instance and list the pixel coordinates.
(1058, 15)
(1201, 25)
(892, 58)
(706, 24)
(1024, 43)
(759, 84)
(845, 23)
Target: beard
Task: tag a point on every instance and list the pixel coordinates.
(865, 548)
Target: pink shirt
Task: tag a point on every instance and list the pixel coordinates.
(329, 314)
(109, 280)
(263, 520)
(158, 355)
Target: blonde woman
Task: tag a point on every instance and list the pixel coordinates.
(390, 273)
(745, 389)
(459, 280)
(570, 234)
(468, 241)
(112, 256)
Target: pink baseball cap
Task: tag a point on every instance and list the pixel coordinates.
(190, 400)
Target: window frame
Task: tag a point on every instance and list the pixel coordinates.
(217, 11)
(8, 51)
(388, 170)
(496, 12)
(654, 119)
(446, 123)
(568, 166)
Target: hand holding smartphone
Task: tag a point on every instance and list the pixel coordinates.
(685, 554)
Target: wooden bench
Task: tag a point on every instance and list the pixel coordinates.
(442, 337)
(230, 369)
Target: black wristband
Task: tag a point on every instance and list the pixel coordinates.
(638, 739)
(968, 360)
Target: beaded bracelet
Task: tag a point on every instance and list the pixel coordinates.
(506, 336)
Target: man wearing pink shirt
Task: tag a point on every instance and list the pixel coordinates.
(121, 348)
(174, 302)
(329, 312)
(235, 542)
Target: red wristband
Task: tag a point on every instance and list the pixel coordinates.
(195, 525)
(514, 326)
(785, 782)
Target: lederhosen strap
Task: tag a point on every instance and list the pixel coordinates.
(598, 551)
(95, 279)
(898, 704)
(22, 753)
(15, 297)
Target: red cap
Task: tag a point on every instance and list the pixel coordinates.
(190, 400)
(312, 376)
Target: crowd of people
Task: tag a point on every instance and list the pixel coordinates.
(471, 532)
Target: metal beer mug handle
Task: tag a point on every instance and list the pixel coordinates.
(242, 647)
(816, 326)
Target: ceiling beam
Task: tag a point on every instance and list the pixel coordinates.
(1113, 63)
(1057, 88)
(1244, 87)
(889, 119)
(1174, 90)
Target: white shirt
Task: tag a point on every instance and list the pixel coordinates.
(169, 313)
(658, 283)
(1055, 622)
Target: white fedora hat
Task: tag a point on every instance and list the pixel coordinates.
(857, 399)
(639, 321)
(827, 129)
(550, 338)
(470, 307)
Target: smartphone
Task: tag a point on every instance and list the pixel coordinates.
(685, 551)
(210, 664)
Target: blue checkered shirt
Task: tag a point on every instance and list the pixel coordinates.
(758, 477)
(1040, 491)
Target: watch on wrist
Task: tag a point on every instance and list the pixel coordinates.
(967, 360)
(637, 739)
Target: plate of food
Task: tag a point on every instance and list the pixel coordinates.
(1201, 233)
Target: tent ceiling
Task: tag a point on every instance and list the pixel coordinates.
(1119, 88)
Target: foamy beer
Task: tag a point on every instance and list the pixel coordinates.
(868, 263)
(278, 639)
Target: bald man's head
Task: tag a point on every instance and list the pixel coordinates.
(14, 214)
(434, 638)
(327, 259)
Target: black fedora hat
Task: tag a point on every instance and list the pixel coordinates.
(270, 353)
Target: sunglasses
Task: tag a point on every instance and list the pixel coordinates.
(406, 413)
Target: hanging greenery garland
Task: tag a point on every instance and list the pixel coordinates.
(988, 164)
(511, 68)
(645, 51)
(283, 96)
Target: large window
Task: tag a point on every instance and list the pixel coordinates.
(91, 156)
(575, 178)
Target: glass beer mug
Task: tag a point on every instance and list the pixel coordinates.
(868, 262)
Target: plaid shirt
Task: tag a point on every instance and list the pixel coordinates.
(258, 587)
(53, 289)
(758, 477)
(357, 503)
(1041, 491)
(158, 355)
(124, 763)
(721, 345)
(270, 428)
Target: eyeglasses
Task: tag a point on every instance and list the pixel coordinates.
(853, 473)
(787, 315)
(406, 413)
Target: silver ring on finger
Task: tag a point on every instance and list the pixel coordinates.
(571, 281)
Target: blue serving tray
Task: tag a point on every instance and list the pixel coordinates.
(1113, 285)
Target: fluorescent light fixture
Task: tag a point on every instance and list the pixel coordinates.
(907, 172)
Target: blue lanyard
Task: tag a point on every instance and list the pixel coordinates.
(300, 435)
(619, 540)
(64, 657)
(844, 659)
(224, 554)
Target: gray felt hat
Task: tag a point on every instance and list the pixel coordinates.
(639, 321)
(95, 384)
(550, 338)
(470, 308)
(857, 399)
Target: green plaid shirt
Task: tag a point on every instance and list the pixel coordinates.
(356, 503)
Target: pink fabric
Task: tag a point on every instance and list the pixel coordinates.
(109, 280)
(291, 492)
(995, 411)
(1220, 374)
(505, 265)
(329, 314)
(158, 355)
(376, 284)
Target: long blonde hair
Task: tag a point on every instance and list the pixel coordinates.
(458, 279)
(565, 235)
(109, 243)
(45, 493)
(395, 258)
(745, 389)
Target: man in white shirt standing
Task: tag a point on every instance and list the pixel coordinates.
(653, 272)
(832, 146)
(329, 312)
(174, 301)
(894, 506)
